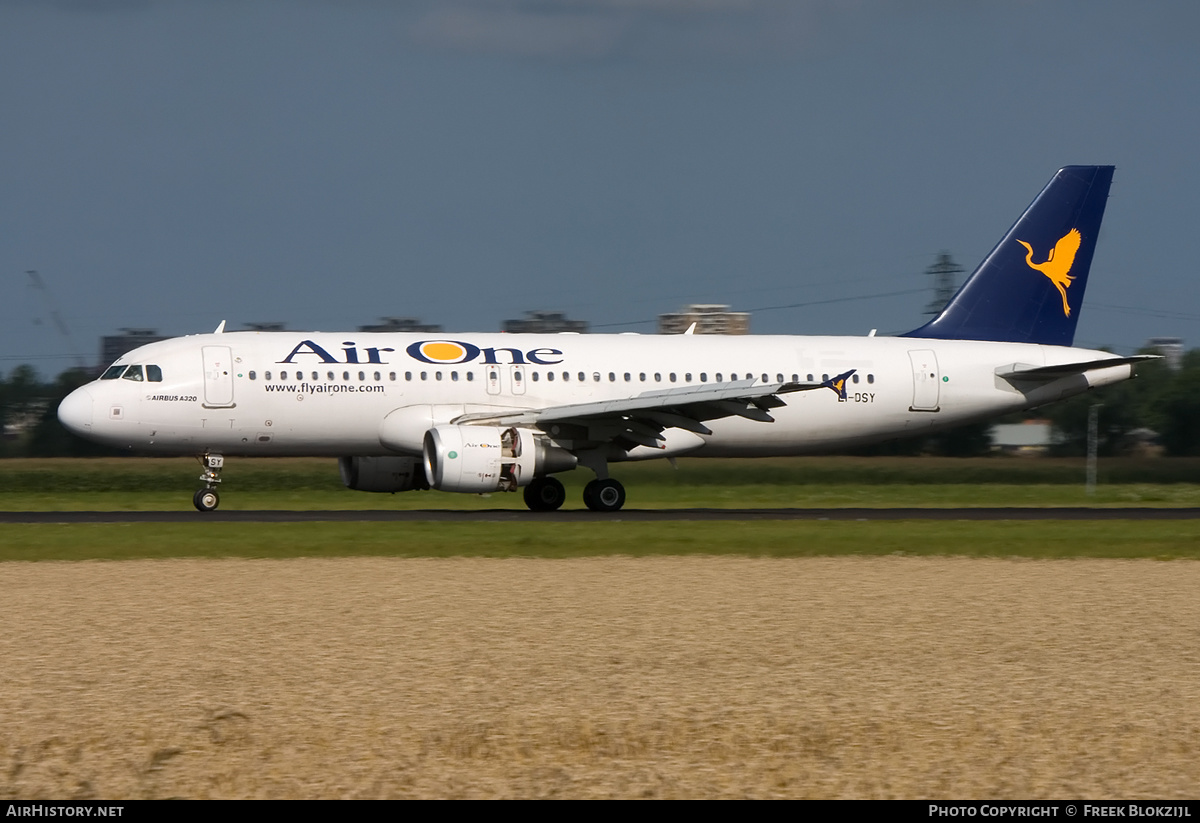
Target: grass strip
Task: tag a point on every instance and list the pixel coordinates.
(1166, 540)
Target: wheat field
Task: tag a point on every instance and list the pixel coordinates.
(618, 677)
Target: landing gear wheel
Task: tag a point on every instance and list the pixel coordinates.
(604, 495)
(206, 500)
(545, 494)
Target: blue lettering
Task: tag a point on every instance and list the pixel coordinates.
(312, 348)
(515, 356)
(536, 356)
(373, 354)
(469, 353)
(491, 356)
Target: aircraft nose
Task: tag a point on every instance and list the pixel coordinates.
(75, 412)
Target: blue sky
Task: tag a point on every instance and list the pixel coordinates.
(175, 164)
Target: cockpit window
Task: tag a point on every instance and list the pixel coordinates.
(133, 373)
(154, 374)
(112, 373)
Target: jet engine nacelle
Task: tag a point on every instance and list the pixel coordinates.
(382, 474)
(489, 458)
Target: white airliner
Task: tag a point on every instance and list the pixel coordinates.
(483, 413)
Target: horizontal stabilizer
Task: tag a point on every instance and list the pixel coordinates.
(1020, 371)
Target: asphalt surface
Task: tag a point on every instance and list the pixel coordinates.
(584, 516)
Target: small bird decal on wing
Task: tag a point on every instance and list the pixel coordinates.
(838, 384)
(1058, 264)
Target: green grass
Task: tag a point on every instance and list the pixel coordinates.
(1041, 539)
(127, 484)
(115, 484)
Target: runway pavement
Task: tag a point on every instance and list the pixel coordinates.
(583, 516)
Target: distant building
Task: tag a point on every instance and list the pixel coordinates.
(265, 326)
(1031, 437)
(710, 318)
(545, 322)
(1169, 347)
(401, 324)
(115, 345)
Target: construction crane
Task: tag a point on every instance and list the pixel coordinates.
(35, 280)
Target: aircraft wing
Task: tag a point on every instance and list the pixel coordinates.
(1044, 374)
(640, 420)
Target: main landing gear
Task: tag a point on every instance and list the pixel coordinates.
(546, 494)
(207, 499)
(606, 495)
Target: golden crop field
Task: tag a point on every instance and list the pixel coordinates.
(852, 677)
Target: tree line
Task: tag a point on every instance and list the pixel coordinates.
(1163, 400)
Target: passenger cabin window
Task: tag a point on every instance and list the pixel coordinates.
(133, 373)
(253, 375)
(113, 372)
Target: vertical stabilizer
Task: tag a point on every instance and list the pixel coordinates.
(1029, 289)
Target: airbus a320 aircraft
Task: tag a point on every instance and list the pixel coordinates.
(483, 413)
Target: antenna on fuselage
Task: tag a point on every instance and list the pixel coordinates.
(220, 328)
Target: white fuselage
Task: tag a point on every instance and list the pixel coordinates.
(295, 393)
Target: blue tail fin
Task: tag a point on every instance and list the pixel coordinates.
(1029, 289)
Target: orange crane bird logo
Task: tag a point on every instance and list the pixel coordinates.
(1058, 264)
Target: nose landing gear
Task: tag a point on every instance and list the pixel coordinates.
(207, 499)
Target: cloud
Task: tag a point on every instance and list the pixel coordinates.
(582, 30)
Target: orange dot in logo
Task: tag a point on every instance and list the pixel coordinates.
(444, 352)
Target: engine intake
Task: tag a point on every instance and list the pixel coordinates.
(484, 459)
